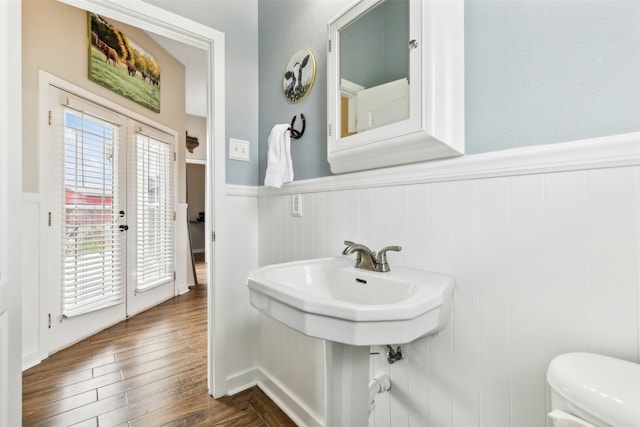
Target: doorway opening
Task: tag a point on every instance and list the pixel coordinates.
(164, 23)
(196, 215)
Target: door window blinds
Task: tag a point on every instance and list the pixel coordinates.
(154, 212)
(93, 266)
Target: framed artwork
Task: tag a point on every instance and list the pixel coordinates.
(120, 64)
(299, 76)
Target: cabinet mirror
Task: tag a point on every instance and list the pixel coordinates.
(395, 83)
(374, 68)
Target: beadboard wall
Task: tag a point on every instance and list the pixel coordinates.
(543, 245)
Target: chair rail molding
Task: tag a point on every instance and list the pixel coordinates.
(594, 153)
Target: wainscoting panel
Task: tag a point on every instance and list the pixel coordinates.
(527, 324)
(544, 263)
(34, 323)
(238, 256)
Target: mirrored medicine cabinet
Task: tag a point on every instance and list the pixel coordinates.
(395, 83)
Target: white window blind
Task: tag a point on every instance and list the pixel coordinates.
(93, 262)
(154, 212)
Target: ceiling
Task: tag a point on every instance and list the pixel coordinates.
(195, 63)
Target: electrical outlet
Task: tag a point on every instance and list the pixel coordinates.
(238, 149)
(296, 205)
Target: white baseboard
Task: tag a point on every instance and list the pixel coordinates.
(30, 360)
(242, 381)
(182, 288)
(282, 397)
(295, 409)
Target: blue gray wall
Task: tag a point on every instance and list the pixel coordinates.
(541, 72)
(238, 19)
(287, 26)
(537, 72)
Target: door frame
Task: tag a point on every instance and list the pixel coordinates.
(53, 94)
(11, 213)
(156, 20)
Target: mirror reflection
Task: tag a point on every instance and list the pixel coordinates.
(374, 68)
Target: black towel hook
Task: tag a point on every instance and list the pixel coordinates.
(295, 134)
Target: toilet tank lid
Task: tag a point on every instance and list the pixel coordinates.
(605, 387)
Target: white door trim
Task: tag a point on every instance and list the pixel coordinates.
(154, 19)
(10, 213)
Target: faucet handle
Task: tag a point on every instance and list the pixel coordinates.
(381, 258)
(345, 251)
(348, 244)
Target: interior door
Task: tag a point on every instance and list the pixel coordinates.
(86, 156)
(151, 216)
(111, 220)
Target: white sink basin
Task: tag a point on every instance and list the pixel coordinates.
(329, 298)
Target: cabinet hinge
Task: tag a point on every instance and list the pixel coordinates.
(49, 320)
(50, 117)
(174, 276)
(213, 236)
(174, 216)
(330, 129)
(174, 156)
(49, 219)
(329, 45)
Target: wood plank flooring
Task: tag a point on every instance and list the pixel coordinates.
(149, 370)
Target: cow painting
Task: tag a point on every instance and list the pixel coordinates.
(116, 61)
(131, 69)
(299, 76)
(110, 54)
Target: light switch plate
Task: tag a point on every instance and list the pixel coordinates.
(238, 149)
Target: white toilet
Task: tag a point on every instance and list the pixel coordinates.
(589, 390)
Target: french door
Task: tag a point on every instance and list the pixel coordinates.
(111, 218)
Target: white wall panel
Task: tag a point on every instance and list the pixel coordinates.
(612, 261)
(381, 219)
(464, 381)
(400, 403)
(381, 417)
(366, 223)
(290, 238)
(340, 215)
(525, 263)
(241, 318)
(34, 313)
(325, 239)
(417, 222)
(398, 228)
(316, 225)
(544, 264)
(493, 301)
(565, 282)
(307, 226)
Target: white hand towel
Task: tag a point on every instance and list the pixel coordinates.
(279, 164)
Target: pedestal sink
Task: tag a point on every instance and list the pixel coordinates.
(351, 309)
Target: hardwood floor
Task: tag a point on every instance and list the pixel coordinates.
(149, 370)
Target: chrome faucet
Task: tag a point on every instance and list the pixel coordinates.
(365, 257)
(368, 259)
